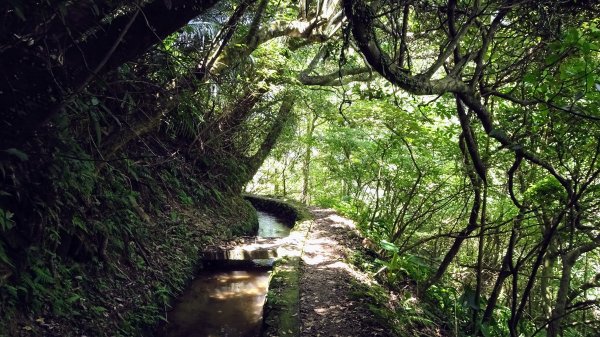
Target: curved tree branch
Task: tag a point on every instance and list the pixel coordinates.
(361, 18)
(340, 77)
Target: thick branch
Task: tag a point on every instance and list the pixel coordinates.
(302, 29)
(228, 30)
(470, 143)
(361, 17)
(270, 140)
(342, 76)
(593, 283)
(30, 104)
(148, 29)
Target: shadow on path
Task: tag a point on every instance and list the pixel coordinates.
(327, 306)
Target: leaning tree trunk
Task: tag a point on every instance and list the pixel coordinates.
(283, 115)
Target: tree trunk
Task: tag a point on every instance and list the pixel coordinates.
(560, 306)
(502, 275)
(545, 289)
(480, 253)
(285, 111)
(310, 128)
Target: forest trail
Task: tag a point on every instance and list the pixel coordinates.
(327, 306)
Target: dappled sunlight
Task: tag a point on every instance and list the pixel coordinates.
(328, 307)
(234, 276)
(463, 138)
(315, 260)
(315, 252)
(323, 252)
(339, 221)
(239, 284)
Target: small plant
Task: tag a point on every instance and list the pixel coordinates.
(398, 267)
(6, 221)
(185, 199)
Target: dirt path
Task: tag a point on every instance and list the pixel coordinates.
(327, 306)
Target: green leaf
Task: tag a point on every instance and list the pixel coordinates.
(4, 257)
(6, 221)
(18, 9)
(74, 298)
(485, 330)
(17, 153)
(389, 246)
(42, 274)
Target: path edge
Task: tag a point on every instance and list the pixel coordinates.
(281, 312)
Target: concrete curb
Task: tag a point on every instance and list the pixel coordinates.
(282, 308)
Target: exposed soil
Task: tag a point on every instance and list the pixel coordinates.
(328, 307)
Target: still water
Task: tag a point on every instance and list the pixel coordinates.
(270, 226)
(225, 303)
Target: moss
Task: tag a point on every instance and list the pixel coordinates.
(248, 219)
(289, 209)
(282, 308)
(281, 313)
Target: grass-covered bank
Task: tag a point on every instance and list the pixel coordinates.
(111, 257)
(282, 307)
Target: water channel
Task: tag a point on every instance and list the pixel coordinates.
(226, 300)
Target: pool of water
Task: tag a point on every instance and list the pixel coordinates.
(226, 302)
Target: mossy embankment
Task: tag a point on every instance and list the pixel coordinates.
(290, 210)
(118, 242)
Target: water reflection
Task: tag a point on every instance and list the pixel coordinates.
(270, 226)
(221, 303)
(226, 303)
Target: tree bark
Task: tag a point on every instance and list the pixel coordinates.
(503, 274)
(283, 115)
(564, 289)
(311, 123)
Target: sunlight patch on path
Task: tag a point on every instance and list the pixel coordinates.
(327, 306)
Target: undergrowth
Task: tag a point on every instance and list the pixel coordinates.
(398, 306)
(396, 299)
(108, 254)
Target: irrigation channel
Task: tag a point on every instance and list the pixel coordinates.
(226, 299)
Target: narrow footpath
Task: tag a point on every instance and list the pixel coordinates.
(327, 305)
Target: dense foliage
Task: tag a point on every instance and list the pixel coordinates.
(463, 136)
(482, 189)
